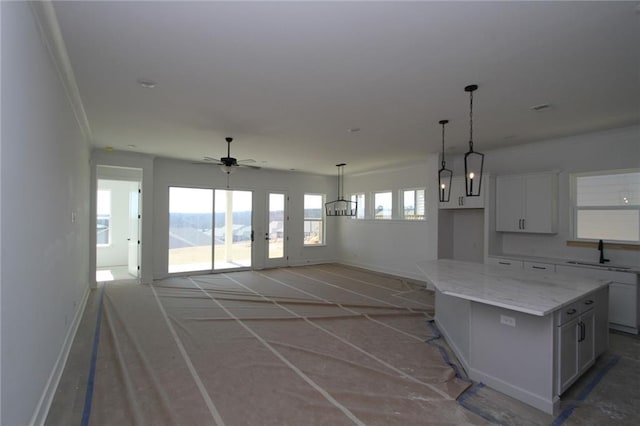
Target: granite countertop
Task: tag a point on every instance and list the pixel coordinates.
(518, 290)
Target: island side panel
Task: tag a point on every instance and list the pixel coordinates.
(516, 359)
(452, 319)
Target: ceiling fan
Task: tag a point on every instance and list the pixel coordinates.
(229, 164)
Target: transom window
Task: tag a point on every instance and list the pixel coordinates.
(607, 205)
(383, 205)
(413, 204)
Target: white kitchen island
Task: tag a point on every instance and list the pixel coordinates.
(527, 334)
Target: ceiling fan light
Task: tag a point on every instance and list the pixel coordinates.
(227, 169)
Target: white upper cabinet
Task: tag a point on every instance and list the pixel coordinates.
(459, 199)
(527, 203)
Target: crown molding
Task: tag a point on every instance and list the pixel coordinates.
(47, 22)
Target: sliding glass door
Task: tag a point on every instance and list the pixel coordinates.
(190, 229)
(234, 231)
(209, 229)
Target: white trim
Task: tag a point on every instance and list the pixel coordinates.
(44, 404)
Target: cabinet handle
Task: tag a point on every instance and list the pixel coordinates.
(539, 267)
(504, 263)
(524, 224)
(589, 302)
(571, 311)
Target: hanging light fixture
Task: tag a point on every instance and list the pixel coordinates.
(341, 207)
(473, 161)
(444, 174)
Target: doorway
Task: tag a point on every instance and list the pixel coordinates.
(118, 224)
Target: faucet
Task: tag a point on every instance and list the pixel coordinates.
(601, 249)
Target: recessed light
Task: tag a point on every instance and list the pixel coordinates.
(146, 83)
(131, 146)
(540, 107)
(108, 148)
(353, 130)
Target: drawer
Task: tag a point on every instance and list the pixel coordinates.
(539, 267)
(505, 263)
(568, 313)
(587, 303)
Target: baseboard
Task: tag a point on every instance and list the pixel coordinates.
(312, 262)
(549, 406)
(44, 404)
(388, 271)
(452, 345)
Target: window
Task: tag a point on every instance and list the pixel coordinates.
(313, 219)
(103, 220)
(383, 205)
(607, 205)
(359, 198)
(413, 204)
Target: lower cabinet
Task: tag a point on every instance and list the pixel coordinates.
(575, 341)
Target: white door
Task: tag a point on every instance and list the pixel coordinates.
(276, 230)
(133, 243)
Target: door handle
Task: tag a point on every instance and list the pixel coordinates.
(252, 234)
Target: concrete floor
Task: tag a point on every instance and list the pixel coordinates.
(608, 394)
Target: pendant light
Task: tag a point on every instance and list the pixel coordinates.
(444, 174)
(473, 161)
(341, 207)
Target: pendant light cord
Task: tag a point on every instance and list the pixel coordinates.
(443, 161)
(471, 120)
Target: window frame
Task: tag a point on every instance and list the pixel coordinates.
(321, 220)
(401, 206)
(575, 209)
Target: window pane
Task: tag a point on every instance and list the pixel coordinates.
(313, 206)
(359, 198)
(103, 217)
(413, 204)
(313, 219)
(383, 207)
(190, 229)
(621, 225)
(622, 189)
(313, 233)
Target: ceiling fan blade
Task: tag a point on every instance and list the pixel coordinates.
(247, 161)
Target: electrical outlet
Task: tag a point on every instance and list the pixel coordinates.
(510, 321)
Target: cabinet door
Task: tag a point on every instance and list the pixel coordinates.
(540, 203)
(622, 304)
(458, 198)
(509, 203)
(567, 354)
(586, 341)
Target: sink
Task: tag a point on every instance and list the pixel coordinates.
(598, 265)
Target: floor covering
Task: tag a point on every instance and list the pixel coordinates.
(316, 345)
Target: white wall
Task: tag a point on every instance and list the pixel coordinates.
(608, 150)
(44, 183)
(116, 253)
(392, 246)
(181, 173)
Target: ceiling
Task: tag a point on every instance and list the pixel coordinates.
(288, 80)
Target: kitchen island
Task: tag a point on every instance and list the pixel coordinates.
(529, 335)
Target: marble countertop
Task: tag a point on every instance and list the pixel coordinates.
(523, 291)
(570, 262)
